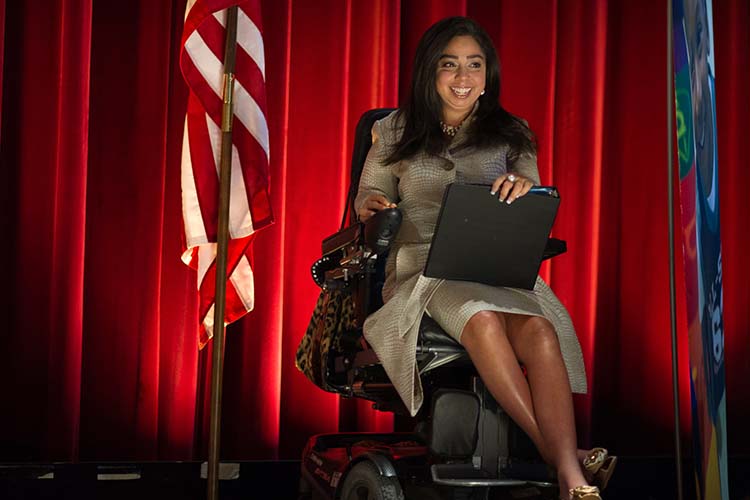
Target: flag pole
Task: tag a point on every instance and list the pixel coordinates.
(225, 176)
(670, 228)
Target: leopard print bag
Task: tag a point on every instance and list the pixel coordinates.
(332, 318)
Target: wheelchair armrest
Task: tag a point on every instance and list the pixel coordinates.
(346, 252)
(381, 230)
(345, 238)
(554, 247)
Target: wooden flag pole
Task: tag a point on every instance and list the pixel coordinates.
(225, 177)
(670, 226)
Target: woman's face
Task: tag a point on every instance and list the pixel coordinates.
(460, 79)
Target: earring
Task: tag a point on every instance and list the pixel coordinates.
(482, 92)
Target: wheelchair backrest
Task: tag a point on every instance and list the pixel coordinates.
(362, 144)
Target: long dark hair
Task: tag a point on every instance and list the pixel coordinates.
(422, 112)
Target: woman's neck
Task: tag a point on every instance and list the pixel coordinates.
(454, 119)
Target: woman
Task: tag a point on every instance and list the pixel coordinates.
(452, 129)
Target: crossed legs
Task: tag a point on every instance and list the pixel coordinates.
(542, 404)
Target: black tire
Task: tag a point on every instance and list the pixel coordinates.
(364, 482)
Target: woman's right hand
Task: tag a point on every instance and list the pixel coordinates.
(372, 205)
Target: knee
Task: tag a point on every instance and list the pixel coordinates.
(541, 338)
(483, 325)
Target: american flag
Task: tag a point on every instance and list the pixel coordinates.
(202, 64)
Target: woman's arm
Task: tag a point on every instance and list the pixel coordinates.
(378, 187)
(525, 166)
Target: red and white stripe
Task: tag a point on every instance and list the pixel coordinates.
(202, 64)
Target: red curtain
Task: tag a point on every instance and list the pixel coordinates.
(100, 358)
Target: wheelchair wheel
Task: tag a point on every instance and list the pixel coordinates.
(364, 482)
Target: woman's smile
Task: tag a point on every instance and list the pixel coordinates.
(461, 92)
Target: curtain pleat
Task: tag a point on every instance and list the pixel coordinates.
(577, 167)
(130, 105)
(313, 194)
(177, 302)
(44, 151)
(632, 355)
(71, 119)
(101, 358)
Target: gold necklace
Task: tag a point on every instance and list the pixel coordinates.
(450, 130)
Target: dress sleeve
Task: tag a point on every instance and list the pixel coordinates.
(377, 177)
(525, 166)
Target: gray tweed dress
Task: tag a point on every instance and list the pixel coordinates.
(417, 186)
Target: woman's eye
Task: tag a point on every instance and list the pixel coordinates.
(449, 64)
(475, 65)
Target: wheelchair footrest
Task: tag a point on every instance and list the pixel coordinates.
(465, 474)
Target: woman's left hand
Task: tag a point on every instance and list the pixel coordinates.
(511, 187)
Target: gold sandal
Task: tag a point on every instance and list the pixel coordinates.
(598, 467)
(585, 493)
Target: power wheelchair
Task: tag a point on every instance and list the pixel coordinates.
(463, 443)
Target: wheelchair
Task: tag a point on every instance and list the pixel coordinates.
(463, 444)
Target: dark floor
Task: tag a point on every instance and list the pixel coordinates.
(635, 478)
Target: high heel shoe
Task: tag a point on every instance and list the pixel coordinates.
(598, 467)
(585, 493)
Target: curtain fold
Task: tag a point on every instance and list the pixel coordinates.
(633, 354)
(71, 119)
(130, 109)
(45, 116)
(101, 357)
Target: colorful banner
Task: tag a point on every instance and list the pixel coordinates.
(699, 207)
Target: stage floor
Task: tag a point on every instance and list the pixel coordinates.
(643, 478)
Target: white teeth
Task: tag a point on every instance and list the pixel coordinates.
(461, 91)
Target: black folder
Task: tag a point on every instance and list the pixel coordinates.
(478, 238)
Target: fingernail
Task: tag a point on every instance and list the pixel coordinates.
(493, 193)
(509, 200)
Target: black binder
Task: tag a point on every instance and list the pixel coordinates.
(478, 238)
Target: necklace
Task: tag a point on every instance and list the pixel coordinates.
(450, 130)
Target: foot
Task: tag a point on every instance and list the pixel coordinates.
(598, 466)
(585, 493)
(569, 479)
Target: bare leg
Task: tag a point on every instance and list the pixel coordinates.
(486, 341)
(542, 407)
(536, 345)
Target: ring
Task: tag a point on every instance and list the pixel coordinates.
(512, 178)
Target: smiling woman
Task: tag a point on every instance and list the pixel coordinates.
(456, 72)
(453, 130)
